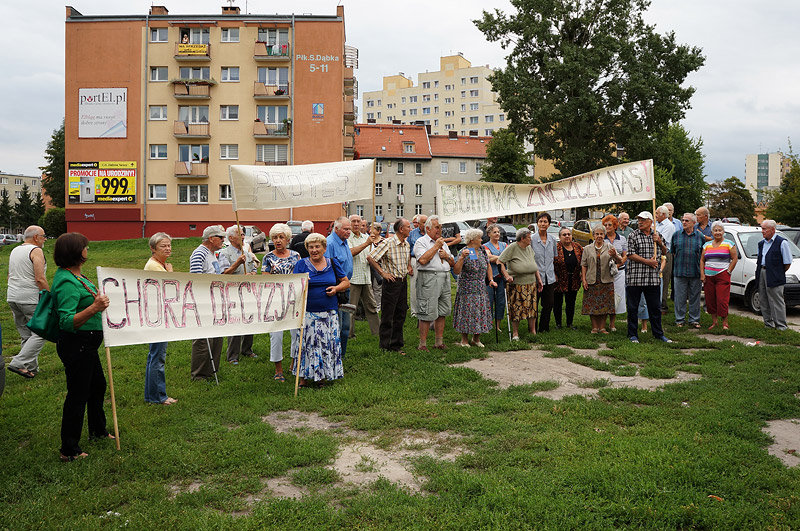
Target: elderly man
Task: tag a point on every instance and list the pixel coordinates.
(645, 249)
(666, 230)
(361, 283)
(339, 249)
(390, 259)
(671, 215)
(418, 232)
(206, 352)
(298, 240)
(26, 277)
(238, 345)
(434, 261)
(687, 247)
(703, 226)
(774, 259)
(624, 228)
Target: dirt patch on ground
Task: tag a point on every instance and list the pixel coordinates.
(527, 367)
(786, 434)
(749, 341)
(293, 421)
(178, 488)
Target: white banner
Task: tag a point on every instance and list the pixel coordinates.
(265, 187)
(102, 113)
(463, 200)
(154, 306)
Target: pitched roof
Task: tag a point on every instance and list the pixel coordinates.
(462, 146)
(388, 140)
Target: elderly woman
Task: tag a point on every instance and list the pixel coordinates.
(524, 282)
(567, 264)
(79, 306)
(496, 294)
(472, 310)
(155, 383)
(280, 261)
(321, 357)
(621, 246)
(716, 264)
(598, 284)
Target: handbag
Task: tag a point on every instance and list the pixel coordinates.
(44, 322)
(612, 266)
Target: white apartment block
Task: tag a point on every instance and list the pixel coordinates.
(764, 171)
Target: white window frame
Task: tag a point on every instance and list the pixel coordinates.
(279, 153)
(473, 106)
(225, 112)
(400, 188)
(198, 188)
(418, 190)
(378, 211)
(399, 211)
(18, 182)
(155, 149)
(161, 113)
(152, 190)
(408, 147)
(232, 35)
(379, 166)
(444, 167)
(360, 210)
(378, 189)
(159, 32)
(478, 166)
(229, 152)
(489, 118)
(400, 168)
(417, 168)
(462, 167)
(227, 74)
(474, 93)
(417, 209)
(156, 73)
(225, 192)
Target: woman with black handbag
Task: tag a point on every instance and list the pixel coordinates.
(79, 305)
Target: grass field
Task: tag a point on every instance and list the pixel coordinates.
(691, 455)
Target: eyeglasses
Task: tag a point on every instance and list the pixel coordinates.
(686, 220)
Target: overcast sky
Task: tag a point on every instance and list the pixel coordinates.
(746, 101)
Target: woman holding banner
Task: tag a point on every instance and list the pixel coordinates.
(155, 383)
(79, 305)
(280, 261)
(524, 282)
(321, 356)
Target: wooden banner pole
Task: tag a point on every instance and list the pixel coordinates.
(374, 164)
(300, 341)
(113, 400)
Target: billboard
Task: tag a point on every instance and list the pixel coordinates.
(102, 113)
(102, 182)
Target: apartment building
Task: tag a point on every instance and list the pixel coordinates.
(458, 97)
(408, 162)
(763, 172)
(13, 183)
(159, 105)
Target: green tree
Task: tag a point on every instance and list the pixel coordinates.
(784, 203)
(38, 207)
(25, 210)
(680, 158)
(6, 210)
(583, 75)
(54, 222)
(54, 179)
(506, 159)
(730, 198)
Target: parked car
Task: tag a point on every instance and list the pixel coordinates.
(582, 231)
(792, 233)
(743, 278)
(296, 226)
(8, 239)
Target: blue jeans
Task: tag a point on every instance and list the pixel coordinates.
(687, 289)
(497, 298)
(155, 383)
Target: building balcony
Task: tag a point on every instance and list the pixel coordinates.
(271, 163)
(262, 130)
(271, 52)
(192, 52)
(191, 169)
(349, 110)
(192, 91)
(262, 91)
(187, 130)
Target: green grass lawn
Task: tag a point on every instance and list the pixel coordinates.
(628, 458)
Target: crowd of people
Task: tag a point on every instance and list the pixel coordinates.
(622, 270)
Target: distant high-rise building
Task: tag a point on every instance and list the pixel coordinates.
(763, 172)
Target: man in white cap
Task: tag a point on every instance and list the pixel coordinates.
(645, 249)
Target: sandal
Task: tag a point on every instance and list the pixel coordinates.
(169, 401)
(603, 331)
(515, 338)
(279, 377)
(423, 348)
(695, 326)
(22, 372)
(594, 330)
(460, 344)
(477, 344)
(440, 347)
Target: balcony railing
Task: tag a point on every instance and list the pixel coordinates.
(187, 130)
(191, 169)
(271, 163)
(192, 91)
(270, 52)
(192, 52)
(260, 129)
(263, 91)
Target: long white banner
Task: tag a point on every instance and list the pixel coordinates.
(265, 187)
(463, 200)
(154, 306)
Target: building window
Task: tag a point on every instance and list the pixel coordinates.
(463, 93)
(196, 72)
(426, 85)
(379, 166)
(435, 84)
(403, 99)
(228, 112)
(448, 100)
(448, 113)
(272, 153)
(417, 209)
(379, 103)
(273, 36)
(399, 168)
(158, 34)
(277, 77)
(196, 35)
(426, 97)
(463, 81)
(418, 168)
(400, 211)
(408, 147)
(193, 114)
(378, 189)
(462, 167)
(229, 151)
(158, 73)
(370, 116)
(192, 193)
(230, 35)
(400, 188)
(158, 112)
(3, 180)
(378, 211)
(359, 210)
(463, 107)
(473, 106)
(193, 152)
(436, 123)
(18, 182)
(157, 192)
(436, 97)
(444, 167)
(473, 80)
(463, 121)
(370, 103)
(489, 118)
(18, 194)
(473, 93)
(478, 166)
(473, 119)
(501, 117)
(412, 112)
(230, 74)
(488, 132)
(158, 151)
(273, 114)
(412, 99)
(426, 110)
(224, 192)
(402, 112)
(379, 115)
(418, 190)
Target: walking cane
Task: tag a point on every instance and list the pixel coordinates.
(505, 295)
(211, 357)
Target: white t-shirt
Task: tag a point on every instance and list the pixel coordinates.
(436, 263)
(22, 287)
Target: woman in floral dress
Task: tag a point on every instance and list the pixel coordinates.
(472, 311)
(281, 261)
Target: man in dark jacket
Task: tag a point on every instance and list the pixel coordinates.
(298, 242)
(774, 259)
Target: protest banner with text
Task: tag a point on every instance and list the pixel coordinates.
(154, 306)
(266, 187)
(463, 200)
